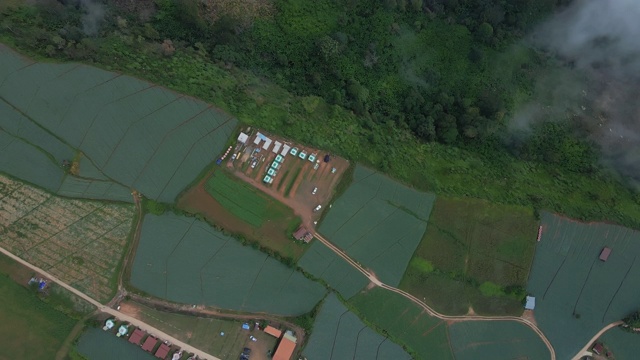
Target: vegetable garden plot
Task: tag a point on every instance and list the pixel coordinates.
(185, 260)
(623, 345)
(139, 135)
(477, 340)
(79, 241)
(94, 189)
(576, 293)
(378, 222)
(339, 334)
(404, 321)
(323, 263)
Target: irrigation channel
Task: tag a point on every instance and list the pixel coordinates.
(426, 307)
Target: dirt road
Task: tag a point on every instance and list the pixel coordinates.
(105, 309)
(374, 280)
(585, 350)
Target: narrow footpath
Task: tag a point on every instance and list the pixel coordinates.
(426, 307)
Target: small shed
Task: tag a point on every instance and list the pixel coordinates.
(294, 151)
(279, 158)
(598, 348)
(302, 155)
(531, 303)
(604, 254)
(163, 351)
(243, 138)
(285, 150)
(312, 157)
(273, 331)
(303, 234)
(267, 179)
(136, 337)
(122, 330)
(109, 325)
(276, 147)
(271, 172)
(149, 344)
(275, 165)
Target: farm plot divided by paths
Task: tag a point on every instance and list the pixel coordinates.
(136, 134)
(340, 334)
(185, 260)
(78, 241)
(377, 222)
(491, 340)
(576, 293)
(404, 320)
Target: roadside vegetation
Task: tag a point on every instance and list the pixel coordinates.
(376, 116)
(473, 254)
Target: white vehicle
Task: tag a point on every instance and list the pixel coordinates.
(318, 208)
(315, 190)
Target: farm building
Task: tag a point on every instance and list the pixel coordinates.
(302, 155)
(122, 331)
(531, 303)
(243, 138)
(271, 172)
(257, 140)
(312, 157)
(286, 347)
(109, 325)
(279, 158)
(267, 143)
(598, 348)
(604, 254)
(294, 151)
(267, 179)
(163, 351)
(149, 344)
(273, 331)
(136, 337)
(303, 234)
(285, 150)
(276, 147)
(275, 165)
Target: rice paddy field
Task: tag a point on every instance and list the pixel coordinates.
(202, 333)
(185, 260)
(405, 322)
(323, 263)
(623, 345)
(134, 133)
(340, 334)
(96, 344)
(490, 340)
(576, 293)
(471, 252)
(378, 222)
(79, 241)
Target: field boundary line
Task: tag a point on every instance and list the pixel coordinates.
(426, 307)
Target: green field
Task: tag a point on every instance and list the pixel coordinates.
(623, 345)
(245, 201)
(96, 344)
(339, 334)
(404, 322)
(185, 260)
(490, 340)
(378, 222)
(474, 253)
(576, 293)
(133, 134)
(202, 333)
(32, 329)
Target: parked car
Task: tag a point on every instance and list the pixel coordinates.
(315, 190)
(318, 208)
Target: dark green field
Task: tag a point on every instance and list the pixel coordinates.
(31, 328)
(473, 253)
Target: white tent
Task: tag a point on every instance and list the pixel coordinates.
(267, 143)
(276, 147)
(243, 138)
(285, 150)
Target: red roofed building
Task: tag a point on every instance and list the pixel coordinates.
(149, 344)
(136, 336)
(163, 351)
(273, 331)
(286, 347)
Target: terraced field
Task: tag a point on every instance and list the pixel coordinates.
(577, 294)
(339, 334)
(185, 260)
(79, 241)
(132, 134)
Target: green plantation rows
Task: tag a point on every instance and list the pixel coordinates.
(576, 293)
(133, 134)
(339, 334)
(185, 260)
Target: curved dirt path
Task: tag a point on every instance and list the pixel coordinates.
(585, 350)
(374, 280)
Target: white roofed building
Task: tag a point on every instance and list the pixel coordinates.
(243, 138)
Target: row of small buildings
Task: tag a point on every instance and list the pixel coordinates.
(149, 344)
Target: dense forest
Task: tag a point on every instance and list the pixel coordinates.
(421, 89)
